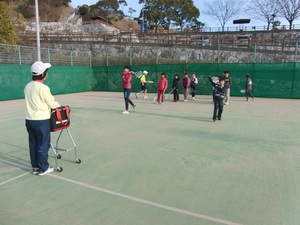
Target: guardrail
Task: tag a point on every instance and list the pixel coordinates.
(250, 28)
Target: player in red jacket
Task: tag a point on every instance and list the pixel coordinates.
(126, 78)
(161, 88)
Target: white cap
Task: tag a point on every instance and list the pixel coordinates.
(39, 68)
(145, 72)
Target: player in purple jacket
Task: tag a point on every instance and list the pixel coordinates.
(185, 85)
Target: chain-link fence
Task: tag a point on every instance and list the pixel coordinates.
(138, 54)
(12, 54)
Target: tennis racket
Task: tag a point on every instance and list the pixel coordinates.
(215, 79)
(242, 91)
(169, 94)
(138, 74)
(155, 98)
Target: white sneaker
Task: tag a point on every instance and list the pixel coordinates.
(136, 95)
(185, 100)
(145, 97)
(35, 171)
(193, 98)
(49, 170)
(125, 112)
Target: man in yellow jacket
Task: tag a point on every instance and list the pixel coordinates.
(39, 102)
(143, 85)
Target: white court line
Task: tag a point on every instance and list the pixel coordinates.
(14, 178)
(16, 165)
(146, 202)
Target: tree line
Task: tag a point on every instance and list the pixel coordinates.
(183, 13)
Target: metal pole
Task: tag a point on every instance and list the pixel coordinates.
(130, 56)
(90, 56)
(186, 55)
(49, 56)
(71, 54)
(254, 53)
(143, 22)
(218, 54)
(20, 59)
(296, 52)
(38, 44)
(106, 57)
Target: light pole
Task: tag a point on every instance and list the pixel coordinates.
(273, 20)
(143, 21)
(38, 44)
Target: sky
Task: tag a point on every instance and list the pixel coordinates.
(209, 22)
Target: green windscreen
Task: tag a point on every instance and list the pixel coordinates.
(271, 80)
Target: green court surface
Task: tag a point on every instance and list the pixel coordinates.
(161, 165)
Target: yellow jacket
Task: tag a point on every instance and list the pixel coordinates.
(143, 79)
(39, 101)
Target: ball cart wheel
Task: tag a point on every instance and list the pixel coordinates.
(59, 169)
(58, 156)
(78, 161)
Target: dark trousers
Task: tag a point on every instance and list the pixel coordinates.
(249, 94)
(176, 95)
(218, 108)
(39, 143)
(126, 98)
(193, 87)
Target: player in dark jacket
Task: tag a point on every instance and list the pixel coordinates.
(218, 96)
(194, 82)
(175, 86)
(249, 85)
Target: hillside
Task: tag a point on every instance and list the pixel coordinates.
(127, 25)
(60, 11)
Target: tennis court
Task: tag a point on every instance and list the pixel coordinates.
(161, 165)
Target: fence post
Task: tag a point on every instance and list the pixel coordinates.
(156, 55)
(130, 56)
(20, 59)
(186, 55)
(218, 60)
(296, 52)
(254, 53)
(90, 57)
(71, 58)
(106, 53)
(49, 57)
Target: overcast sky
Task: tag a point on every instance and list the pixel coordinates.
(209, 22)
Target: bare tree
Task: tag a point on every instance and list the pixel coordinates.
(223, 10)
(265, 10)
(290, 10)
